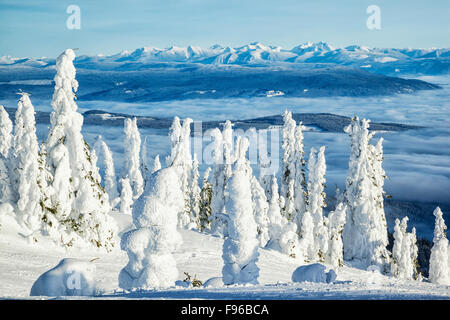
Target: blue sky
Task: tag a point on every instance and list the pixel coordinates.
(38, 28)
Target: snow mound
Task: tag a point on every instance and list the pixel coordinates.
(315, 272)
(71, 277)
(215, 282)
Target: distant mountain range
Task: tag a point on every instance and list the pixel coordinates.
(326, 122)
(388, 61)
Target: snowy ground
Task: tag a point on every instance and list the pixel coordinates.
(21, 264)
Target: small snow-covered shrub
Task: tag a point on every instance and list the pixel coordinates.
(71, 277)
(315, 272)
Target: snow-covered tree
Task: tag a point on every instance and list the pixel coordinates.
(414, 255)
(6, 192)
(336, 222)
(109, 178)
(126, 196)
(365, 233)
(132, 162)
(5, 133)
(293, 184)
(205, 203)
(265, 179)
(282, 233)
(260, 208)
(307, 242)
(439, 265)
(175, 133)
(156, 164)
(404, 251)
(26, 166)
(316, 203)
(396, 249)
(150, 246)
(180, 158)
(79, 202)
(240, 248)
(218, 225)
(288, 165)
(195, 194)
(143, 165)
(301, 194)
(274, 216)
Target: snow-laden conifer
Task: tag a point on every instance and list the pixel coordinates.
(316, 200)
(396, 249)
(301, 194)
(365, 233)
(288, 165)
(26, 166)
(132, 161)
(6, 192)
(143, 165)
(217, 177)
(240, 248)
(5, 133)
(282, 233)
(336, 222)
(404, 251)
(260, 208)
(180, 158)
(195, 194)
(439, 265)
(126, 196)
(307, 242)
(205, 203)
(79, 202)
(150, 246)
(109, 178)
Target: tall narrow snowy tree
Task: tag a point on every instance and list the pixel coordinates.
(240, 248)
(132, 162)
(336, 222)
(5, 133)
(316, 185)
(205, 203)
(396, 249)
(365, 233)
(126, 196)
(218, 226)
(260, 208)
(301, 194)
(195, 194)
(288, 165)
(414, 255)
(180, 158)
(26, 166)
(439, 266)
(403, 264)
(79, 202)
(143, 165)
(151, 245)
(6, 192)
(101, 148)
